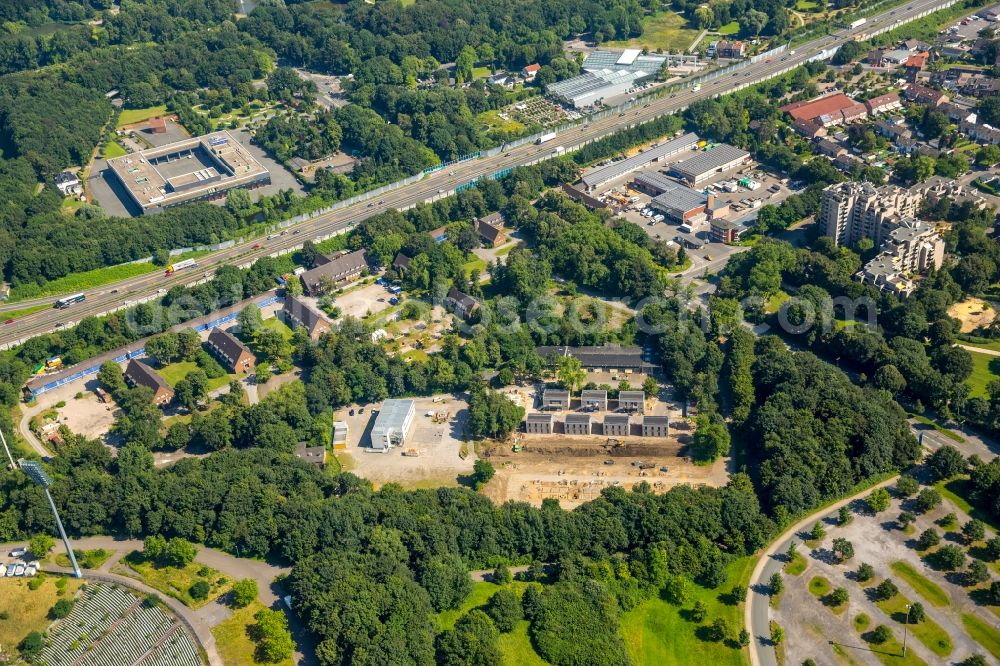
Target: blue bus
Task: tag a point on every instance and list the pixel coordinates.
(70, 300)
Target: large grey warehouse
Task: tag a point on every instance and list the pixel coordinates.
(202, 167)
(598, 177)
(678, 203)
(703, 166)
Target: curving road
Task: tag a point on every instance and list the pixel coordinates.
(443, 182)
(756, 612)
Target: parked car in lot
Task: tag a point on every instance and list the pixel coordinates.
(19, 552)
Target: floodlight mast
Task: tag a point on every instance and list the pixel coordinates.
(13, 465)
(34, 471)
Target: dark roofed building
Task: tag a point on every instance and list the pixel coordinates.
(555, 399)
(655, 426)
(490, 229)
(401, 263)
(538, 424)
(227, 348)
(830, 148)
(577, 424)
(138, 373)
(594, 399)
(301, 314)
(632, 401)
(923, 95)
(808, 128)
(616, 425)
(726, 231)
(461, 303)
(610, 357)
(336, 270)
(314, 455)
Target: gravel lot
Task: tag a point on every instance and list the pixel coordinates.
(438, 444)
(810, 626)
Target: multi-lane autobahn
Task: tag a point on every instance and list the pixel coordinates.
(115, 296)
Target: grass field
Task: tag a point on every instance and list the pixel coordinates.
(797, 566)
(233, 642)
(480, 72)
(985, 368)
(515, 647)
(493, 121)
(927, 632)
(87, 559)
(775, 302)
(861, 622)
(956, 490)
(730, 28)
(175, 372)
(806, 5)
(475, 264)
(656, 632)
(819, 587)
(175, 582)
(81, 281)
(665, 30)
(27, 610)
(24, 312)
(992, 346)
(113, 149)
(130, 116)
(890, 654)
(275, 324)
(982, 633)
(925, 587)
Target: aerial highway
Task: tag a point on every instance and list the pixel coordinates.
(115, 296)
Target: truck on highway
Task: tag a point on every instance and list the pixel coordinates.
(180, 265)
(559, 150)
(548, 136)
(857, 23)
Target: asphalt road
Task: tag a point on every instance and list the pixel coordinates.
(113, 297)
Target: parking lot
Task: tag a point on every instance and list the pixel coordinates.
(18, 562)
(361, 301)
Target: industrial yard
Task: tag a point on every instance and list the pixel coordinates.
(433, 445)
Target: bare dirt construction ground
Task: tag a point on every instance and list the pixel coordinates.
(438, 443)
(973, 313)
(88, 415)
(575, 469)
(815, 631)
(84, 416)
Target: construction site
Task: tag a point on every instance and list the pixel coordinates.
(575, 469)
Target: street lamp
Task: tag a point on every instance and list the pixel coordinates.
(34, 471)
(906, 625)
